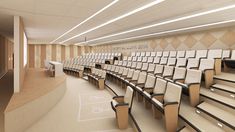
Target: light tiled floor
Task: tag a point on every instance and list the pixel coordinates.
(6, 91)
(84, 108)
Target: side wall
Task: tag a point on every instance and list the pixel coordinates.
(6, 55)
(40, 52)
(19, 68)
(223, 38)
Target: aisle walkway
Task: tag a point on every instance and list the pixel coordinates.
(6, 91)
(84, 108)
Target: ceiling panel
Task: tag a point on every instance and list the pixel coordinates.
(45, 20)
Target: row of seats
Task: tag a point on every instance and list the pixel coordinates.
(97, 77)
(76, 70)
(162, 92)
(184, 54)
(91, 60)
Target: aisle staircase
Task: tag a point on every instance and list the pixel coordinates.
(216, 112)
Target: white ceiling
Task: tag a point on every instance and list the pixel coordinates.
(45, 20)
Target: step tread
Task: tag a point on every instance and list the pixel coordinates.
(189, 114)
(225, 100)
(225, 87)
(218, 113)
(226, 76)
(185, 129)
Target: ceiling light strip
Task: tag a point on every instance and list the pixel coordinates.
(169, 31)
(167, 22)
(106, 7)
(117, 18)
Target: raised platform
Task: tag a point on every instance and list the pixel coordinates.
(39, 94)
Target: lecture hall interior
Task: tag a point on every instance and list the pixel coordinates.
(117, 65)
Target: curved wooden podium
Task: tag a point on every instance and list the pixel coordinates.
(39, 95)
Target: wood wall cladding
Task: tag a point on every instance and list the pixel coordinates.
(223, 38)
(38, 53)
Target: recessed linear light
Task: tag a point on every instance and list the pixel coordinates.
(169, 31)
(117, 18)
(167, 22)
(106, 7)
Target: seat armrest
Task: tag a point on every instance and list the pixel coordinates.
(179, 79)
(148, 89)
(170, 103)
(139, 84)
(133, 81)
(153, 95)
(202, 58)
(208, 70)
(168, 76)
(115, 97)
(194, 68)
(192, 84)
(122, 104)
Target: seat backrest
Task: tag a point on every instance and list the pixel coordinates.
(117, 68)
(192, 63)
(124, 63)
(206, 64)
(148, 54)
(179, 73)
(142, 54)
(150, 81)
(129, 64)
(133, 53)
(144, 59)
(226, 54)
(180, 54)
(173, 93)
(215, 53)
(134, 58)
(159, 54)
(120, 70)
(193, 76)
(158, 69)
(129, 96)
(103, 75)
(133, 65)
(105, 66)
(129, 58)
(135, 75)
(160, 86)
(151, 67)
(139, 59)
(168, 71)
(163, 61)
(181, 62)
(165, 54)
(144, 67)
(137, 54)
(190, 54)
(142, 77)
(116, 62)
(119, 63)
(139, 65)
(201, 54)
(125, 71)
(171, 62)
(150, 59)
(233, 54)
(130, 73)
(172, 54)
(113, 68)
(156, 60)
(153, 54)
(109, 67)
(125, 57)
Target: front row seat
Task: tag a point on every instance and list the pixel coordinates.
(122, 106)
